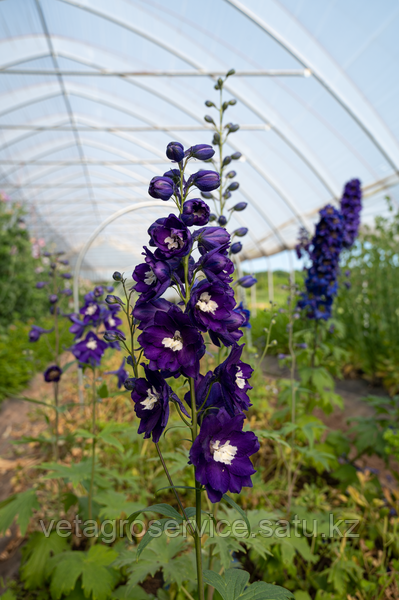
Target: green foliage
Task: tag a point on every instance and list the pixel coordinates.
(369, 309)
(234, 585)
(21, 359)
(19, 298)
(37, 551)
(19, 506)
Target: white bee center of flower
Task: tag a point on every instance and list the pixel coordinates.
(175, 343)
(173, 242)
(111, 322)
(206, 304)
(150, 277)
(151, 399)
(92, 345)
(224, 453)
(90, 310)
(240, 379)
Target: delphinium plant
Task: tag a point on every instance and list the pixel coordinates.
(58, 292)
(192, 259)
(96, 317)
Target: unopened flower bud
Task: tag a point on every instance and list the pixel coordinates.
(113, 335)
(209, 104)
(130, 383)
(209, 119)
(53, 298)
(226, 161)
(233, 186)
(236, 155)
(200, 151)
(175, 151)
(110, 299)
(232, 127)
(232, 102)
(241, 231)
(240, 206)
(235, 248)
(212, 217)
(222, 220)
(117, 276)
(231, 72)
(207, 195)
(231, 174)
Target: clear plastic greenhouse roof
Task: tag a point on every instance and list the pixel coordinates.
(92, 91)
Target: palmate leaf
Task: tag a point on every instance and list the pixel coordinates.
(234, 585)
(97, 578)
(225, 546)
(230, 501)
(38, 550)
(20, 506)
(114, 504)
(75, 474)
(163, 509)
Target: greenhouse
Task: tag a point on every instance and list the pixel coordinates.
(199, 328)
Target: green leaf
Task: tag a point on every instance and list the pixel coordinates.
(8, 595)
(225, 546)
(234, 585)
(114, 504)
(111, 440)
(38, 550)
(20, 506)
(75, 474)
(230, 501)
(68, 365)
(103, 391)
(65, 573)
(154, 531)
(97, 580)
(162, 509)
(123, 593)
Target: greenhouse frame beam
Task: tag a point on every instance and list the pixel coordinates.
(66, 99)
(310, 160)
(244, 127)
(372, 133)
(104, 73)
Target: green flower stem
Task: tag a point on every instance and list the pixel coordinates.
(169, 478)
(93, 445)
(56, 454)
(131, 329)
(197, 539)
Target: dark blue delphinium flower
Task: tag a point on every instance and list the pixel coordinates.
(161, 188)
(36, 332)
(90, 311)
(175, 151)
(52, 374)
(171, 343)
(120, 373)
(153, 277)
(171, 237)
(220, 454)
(144, 312)
(205, 181)
(78, 327)
(151, 397)
(53, 298)
(216, 265)
(90, 350)
(66, 292)
(195, 212)
(211, 309)
(303, 242)
(324, 251)
(41, 284)
(245, 313)
(110, 320)
(66, 275)
(351, 206)
(209, 238)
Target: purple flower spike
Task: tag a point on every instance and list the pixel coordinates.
(171, 236)
(161, 188)
(52, 374)
(90, 350)
(220, 455)
(36, 332)
(175, 151)
(195, 212)
(351, 206)
(201, 152)
(172, 344)
(205, 181)
(121, 374)
(151, 398)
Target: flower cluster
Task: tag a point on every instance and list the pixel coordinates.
(336, 230)
(172, 335)
(324, 251)
(351, 206)
(96, 314)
